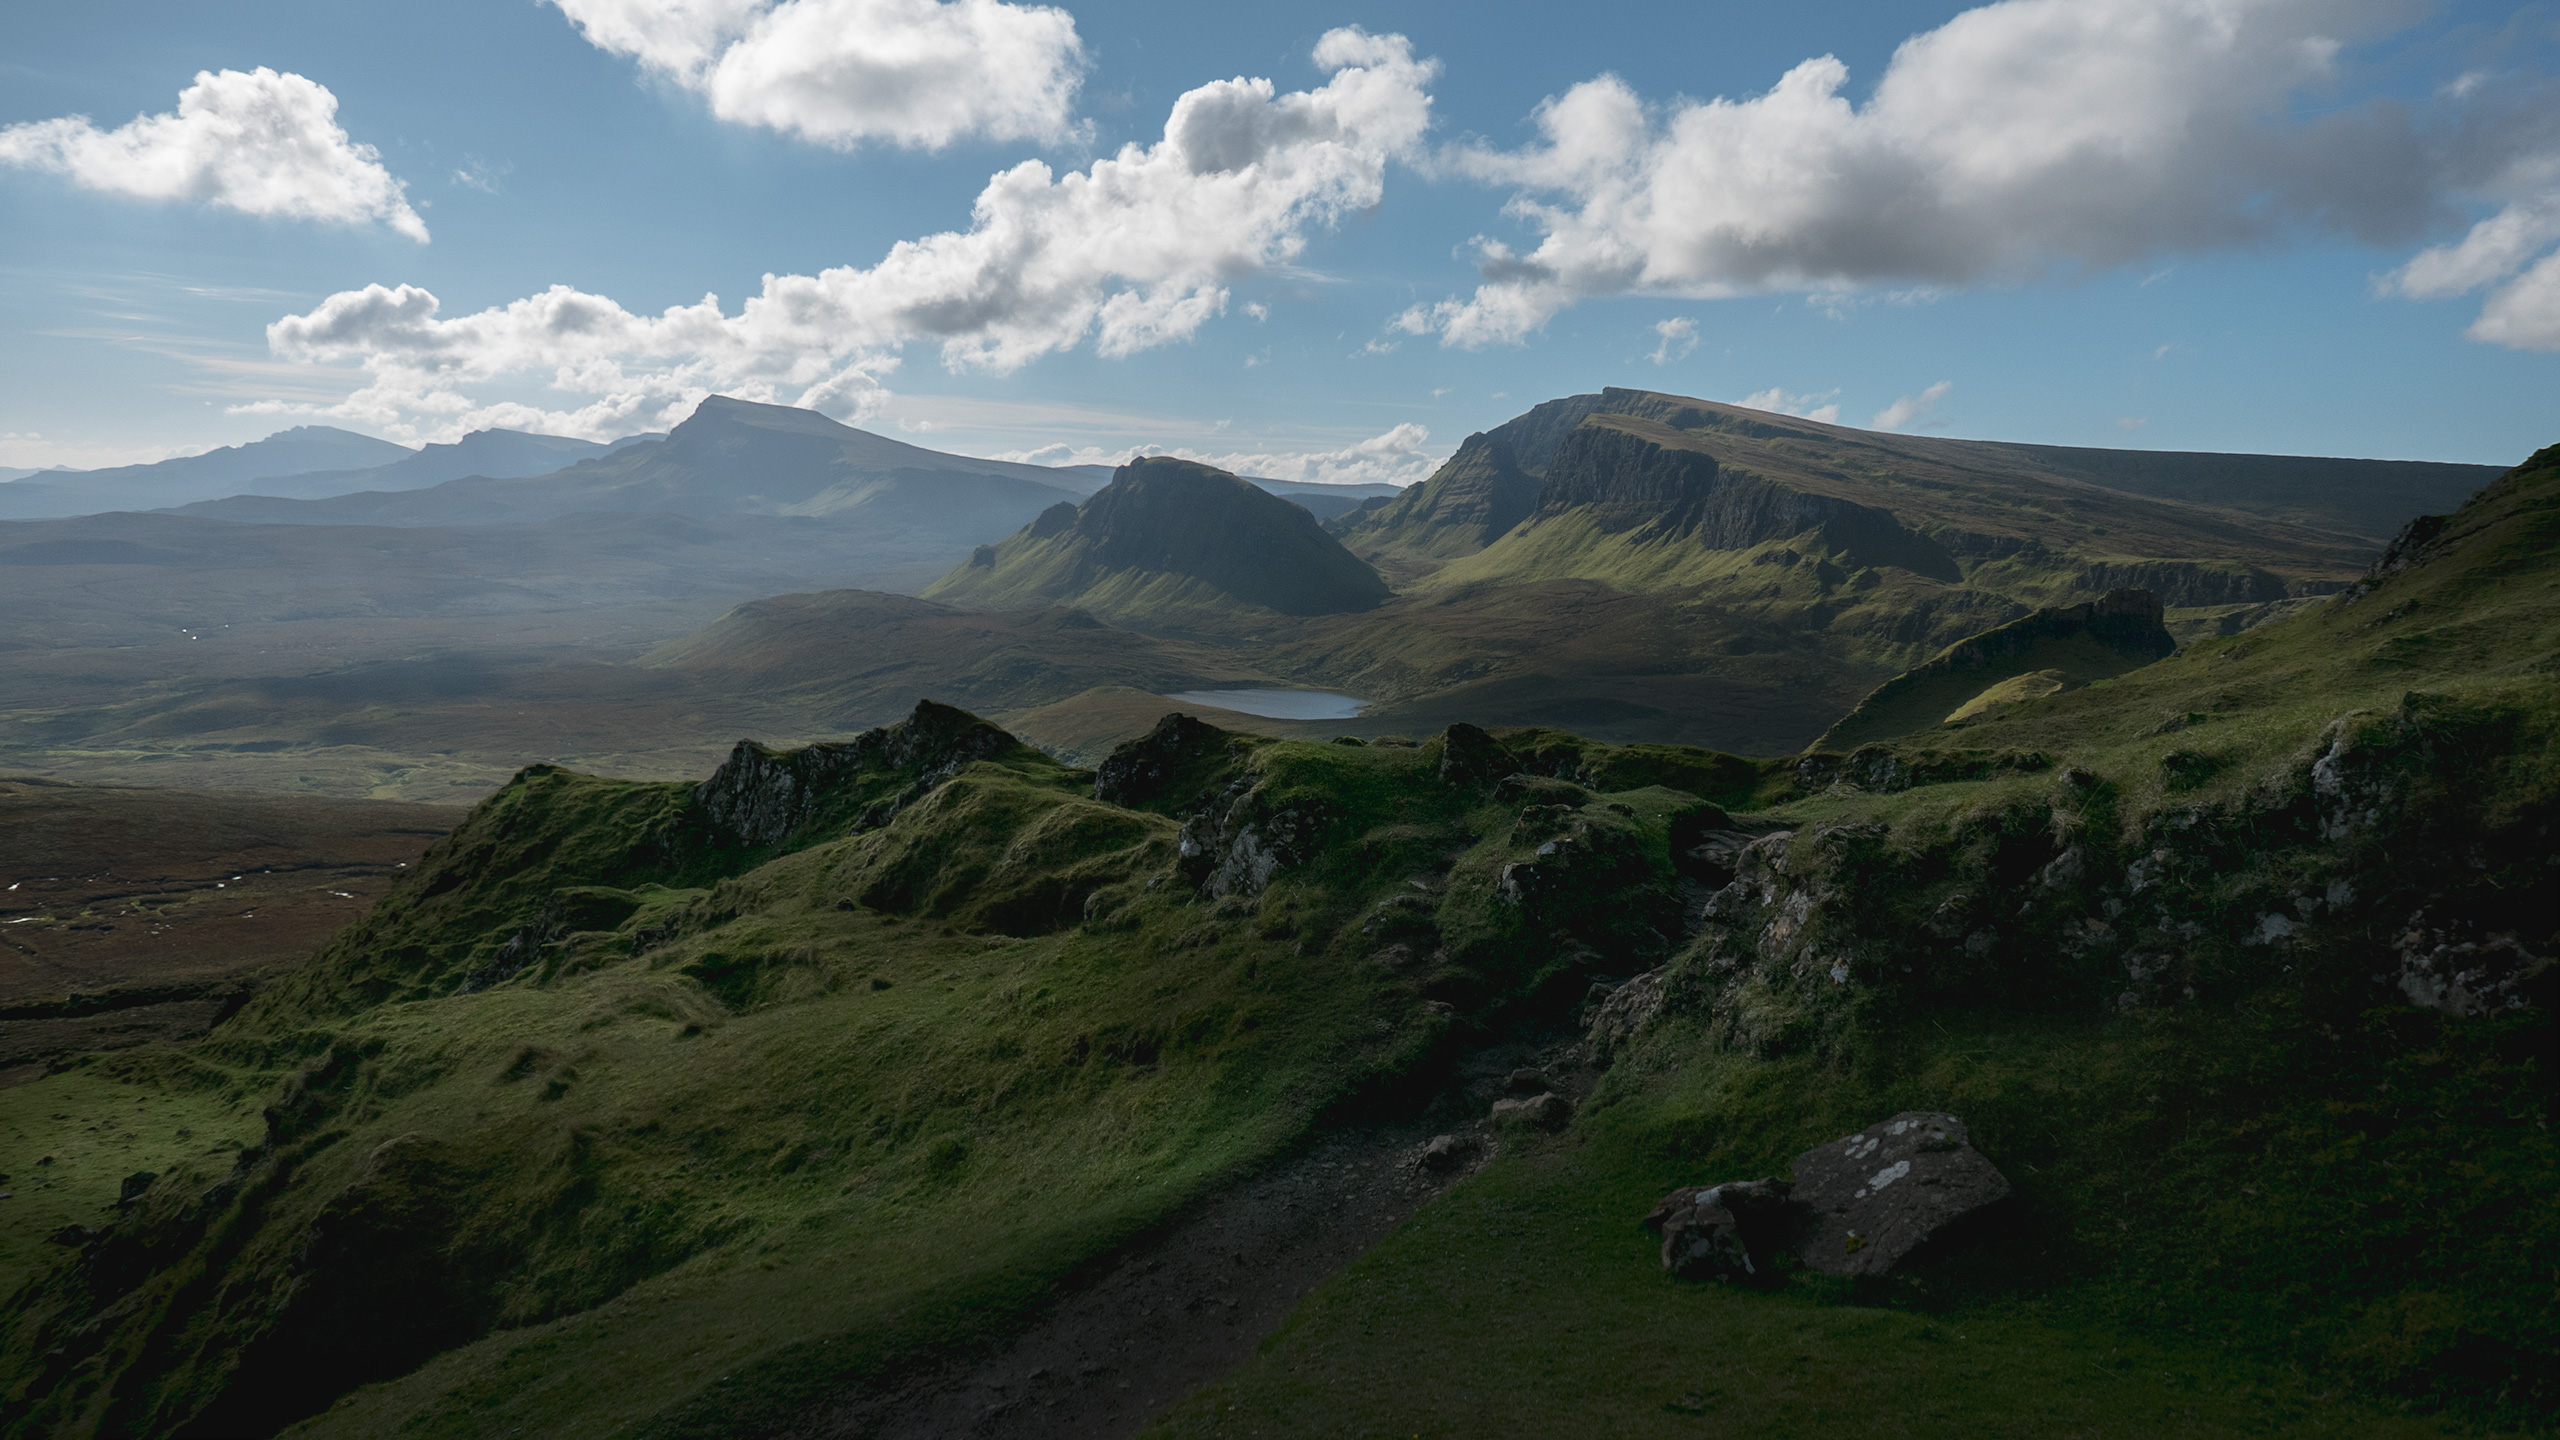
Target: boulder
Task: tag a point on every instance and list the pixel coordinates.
(1871, 1198)
(1543, 1112)
(1443, 1153)
(1720, 1232)
(1472, 757)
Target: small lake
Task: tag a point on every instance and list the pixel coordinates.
(1277, 704)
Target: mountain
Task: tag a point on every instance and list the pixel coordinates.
(1171, 545)
(731, 457)
(1890, 547)
(1472, 500)
(885, 1084)
(497, 454)
(299, 451)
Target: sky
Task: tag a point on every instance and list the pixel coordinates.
(1317, 242)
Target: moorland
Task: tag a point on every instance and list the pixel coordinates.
(996, 1042)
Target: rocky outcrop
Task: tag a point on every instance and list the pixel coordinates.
(1859, 1205)
(1733, 1231)
(759, 796)
(1870, 1199)
(2371, 852)
(1165, 764)
(2186, 582)
(1239, 842)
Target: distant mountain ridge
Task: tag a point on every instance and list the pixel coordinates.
(302, 450)
(1171, 544)
(495, 454)
(731, 457)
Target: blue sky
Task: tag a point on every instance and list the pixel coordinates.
(2211, 224)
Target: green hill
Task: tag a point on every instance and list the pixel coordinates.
(2041, 654)
(1174, 546)
(692, 1109)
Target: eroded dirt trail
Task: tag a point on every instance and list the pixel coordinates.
(1183, 1309)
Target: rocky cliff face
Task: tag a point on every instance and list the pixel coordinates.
(1626, 483)
(2376, 842)
(761, 796)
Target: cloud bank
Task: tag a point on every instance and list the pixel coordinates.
(916, 73)
(256, 142)
(1401, 456)
(2018, 139)
(1137, 251)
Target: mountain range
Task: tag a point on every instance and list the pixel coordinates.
(1639, 566)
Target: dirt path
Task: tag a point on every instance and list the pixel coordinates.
(1188, 1306)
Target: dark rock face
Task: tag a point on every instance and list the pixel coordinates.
(1720, 1232)
(1872, 1198)
(1153, 767)
(761, 796)
(1623, 1016)
(1470, 756)
(2185, 582)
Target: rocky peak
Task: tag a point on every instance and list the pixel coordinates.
(761, 795)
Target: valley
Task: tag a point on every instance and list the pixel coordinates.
(1671, 787)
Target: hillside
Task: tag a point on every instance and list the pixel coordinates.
(752, 1105)
(2029, 658)
(1169, 545)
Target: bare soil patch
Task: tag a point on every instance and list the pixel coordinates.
(129, 915)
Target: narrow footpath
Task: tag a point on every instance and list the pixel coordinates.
(1187, 1306)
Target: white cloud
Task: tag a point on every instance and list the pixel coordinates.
(1679, 337)
(2018, 138)
(1134, 252)
(2522, 311)
(1911, 407)
(256, 141)
(1401, 456)
(918, 73)
(1811, 407)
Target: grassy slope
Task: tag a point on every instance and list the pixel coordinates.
(769, 1124)
(2294, 1205)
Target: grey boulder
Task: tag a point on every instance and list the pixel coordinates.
(1870, 1199)
(1723, 1232)
(1544, 1112)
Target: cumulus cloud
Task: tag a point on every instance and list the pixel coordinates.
(918, 73)
(1401, 456)
(1820, 407)
(2019, 138)
(1911, 407)
(255, 141)
(1134, 252)
(2505, 254)
(1679, 337)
